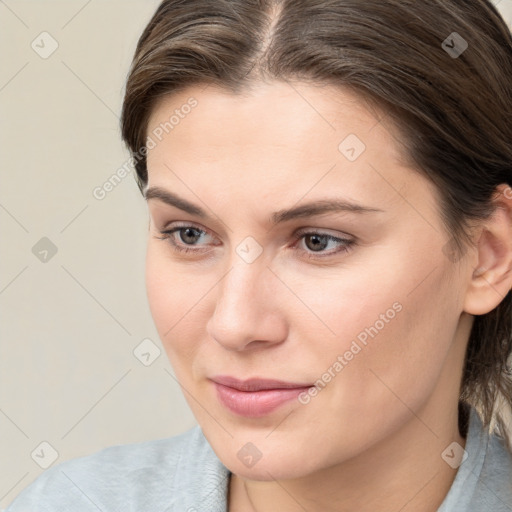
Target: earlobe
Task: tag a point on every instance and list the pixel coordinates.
(491, 279)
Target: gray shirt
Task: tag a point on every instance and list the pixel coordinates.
(183, 474)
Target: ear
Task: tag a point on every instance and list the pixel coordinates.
(492, 275)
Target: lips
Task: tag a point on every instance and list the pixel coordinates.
(256, 384)
(255, 397)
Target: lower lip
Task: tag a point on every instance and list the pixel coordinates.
(255, 404)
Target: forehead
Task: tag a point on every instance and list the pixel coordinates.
(308, 120)
(269, 112)
(290, 138)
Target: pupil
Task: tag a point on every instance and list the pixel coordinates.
(316, 244)
(187, 231)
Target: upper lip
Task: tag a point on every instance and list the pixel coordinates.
(256, 384)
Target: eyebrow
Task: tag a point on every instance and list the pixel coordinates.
(319, 207)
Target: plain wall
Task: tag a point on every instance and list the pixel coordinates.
(70, 323)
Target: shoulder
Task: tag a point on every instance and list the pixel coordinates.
(484, 479)
(494, 486)
(138, 476)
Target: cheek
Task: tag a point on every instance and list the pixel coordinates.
(401, 361)
(393, 337)
(396, 319)
(174, 297)
(158, 285)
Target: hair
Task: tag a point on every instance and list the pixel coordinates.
(451, 112)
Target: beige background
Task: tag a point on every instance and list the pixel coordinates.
(69, 325)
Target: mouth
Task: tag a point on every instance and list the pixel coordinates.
(255, 397)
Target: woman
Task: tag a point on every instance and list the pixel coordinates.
(329, 259)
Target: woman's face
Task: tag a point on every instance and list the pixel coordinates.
(364, 301)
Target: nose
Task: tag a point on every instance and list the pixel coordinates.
(246, 314)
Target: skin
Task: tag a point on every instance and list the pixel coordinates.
(372, 438)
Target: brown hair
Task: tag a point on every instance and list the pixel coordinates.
(452, 111)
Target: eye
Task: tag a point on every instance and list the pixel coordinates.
(316, 242)
(188, 235)
(185, 238)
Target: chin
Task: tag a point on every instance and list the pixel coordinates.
(273, 468)
(266, 460)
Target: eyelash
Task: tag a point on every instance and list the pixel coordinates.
(347, 243)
